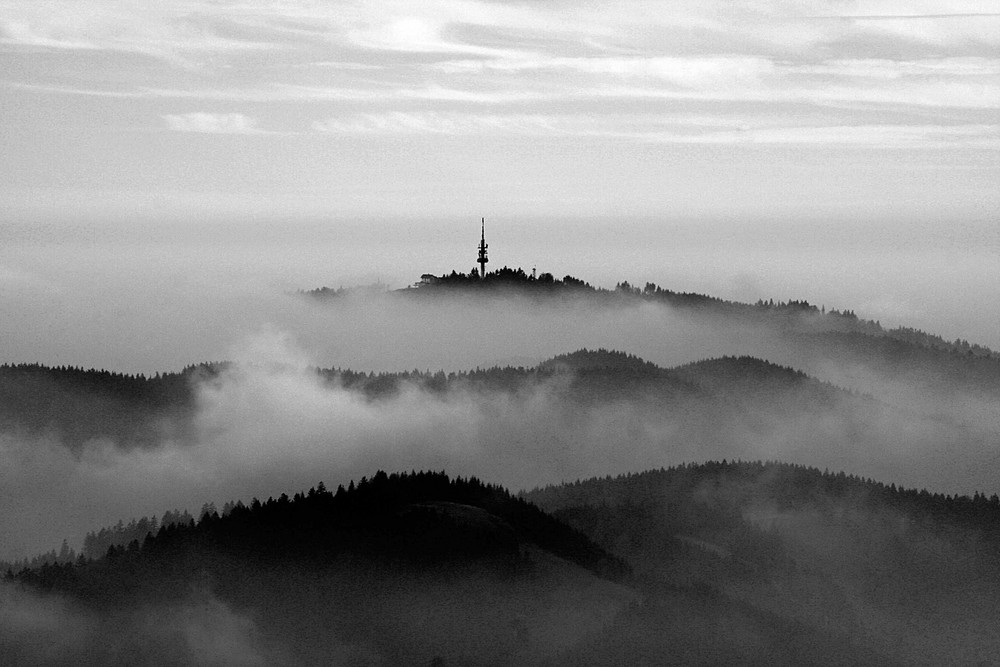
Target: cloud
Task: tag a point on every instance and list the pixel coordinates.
(24, 34)
(279, 92)
(937, 30)
(887, 136)
(695, 72)
(874, 68)
(175, 32)
(673, 128)
(441, 123)
(957, 82)
(456, 52)
(212, 123)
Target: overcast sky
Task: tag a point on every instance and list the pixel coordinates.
(117, 110)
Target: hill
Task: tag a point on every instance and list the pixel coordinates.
(602, 410)
(398, 569)
(906, 573)
(414, 569)
(76, 405)
(793, 315)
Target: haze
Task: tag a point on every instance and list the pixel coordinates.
(154, 297)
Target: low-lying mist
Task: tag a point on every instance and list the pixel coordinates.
(270, 424)
(154, 294)
(51, 629)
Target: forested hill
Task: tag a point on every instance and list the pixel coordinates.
(798, 316)
(726, 387)
(396, 569)
(76, 405)
(410, 519)
(908, 572)
(832, 344)
(742, 484)
(696, 564)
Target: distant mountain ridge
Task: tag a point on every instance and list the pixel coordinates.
(724, 395)
(78, 405)
(905, 571)
(335, 573)
(799, 314)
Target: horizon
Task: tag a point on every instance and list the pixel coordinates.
(840, 153)
(158, 297)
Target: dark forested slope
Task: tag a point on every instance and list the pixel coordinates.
(418, 569)
(398, 569)
(76, 405)
(727, 407)
(794, 316)
(907, 573)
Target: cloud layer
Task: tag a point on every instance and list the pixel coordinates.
(532, 60)
(211, 123)
(360, 108)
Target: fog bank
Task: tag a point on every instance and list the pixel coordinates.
(269, 424)
(153, 296)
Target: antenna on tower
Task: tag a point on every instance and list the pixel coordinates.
(482, 253)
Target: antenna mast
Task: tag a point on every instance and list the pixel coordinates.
(482, 253)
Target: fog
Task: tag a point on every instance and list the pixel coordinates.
(269, 425)
(200, 629)
(156, 298)
(149, 296)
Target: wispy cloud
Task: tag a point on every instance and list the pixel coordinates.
(212, 123)
(25, 34)
(958, 82)
(475, 51)
(972, 83)
(444, 123)
(883, 136)
(671, 128)
(860, 73)
(178, 34)
(934, 29)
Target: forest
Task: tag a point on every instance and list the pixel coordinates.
(740, 549)
(791, 313)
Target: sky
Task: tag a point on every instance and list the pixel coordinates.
(846, 153)
(711, 108)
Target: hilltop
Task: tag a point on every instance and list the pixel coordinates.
(907, 572)
(695, 563)
(401, 568)
(798, 315)
(423, 569)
